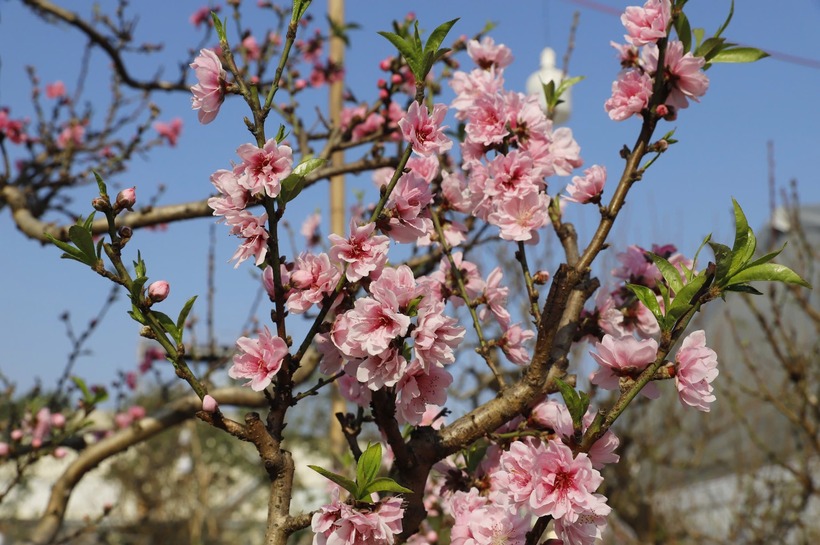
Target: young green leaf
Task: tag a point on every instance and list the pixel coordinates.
(745, 242)
(739, 54)
(728, 20)
(344, 482)
(169, 325)
(137, 315)
(183, 314)
(369, 464)
(684, 31)
(723, 260)
(683, 299)
(574, 402)
(71, 252)
(668, 271)
(100, 184)
(82, 238)
(648, 298)
(768, 272)
(295, 182)
(382, 484)
(407, 50)
(436, 37)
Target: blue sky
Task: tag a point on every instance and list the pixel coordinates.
(687, 194)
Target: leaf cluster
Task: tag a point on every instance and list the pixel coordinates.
(420, 57)
(367, 481)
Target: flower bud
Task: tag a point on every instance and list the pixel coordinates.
(158, 291)
(59, 452)
(16, 435)
(209, 404)
(58, 420)
(101, 204)
(126, 198)
(541, 277)
(4, 449)
(125, 232)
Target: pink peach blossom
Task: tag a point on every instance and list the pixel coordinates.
(209, 93)
(647, 24)
(423, 130)
(487, 54)
(696, 368)
(263, 169)
(362, 253)
(258, 359)
(170, 131)
(587, 188)
(630, 94)
(623, 357)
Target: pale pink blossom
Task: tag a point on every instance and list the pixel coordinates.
(435, 336)
(252, 229)
(468, 87)
(636, 267)
(486, 54)
(564, 152)
(442, 283)
(423, 130)
(258, 359)
(627, 54)
(623, 357)
(565, 485)
(383, 369)
(209, 93)
(170, 131)
(520, 217)
(517, 472)
(71, 136)
(587, 188)
(647, 24)
(310, 228)
(513, 342)
(487, 120)
(396, 283)
(338, 523)
(407, 208)
(362, 252)
(426, 167)
(696, 368)
(312, 278)
(55, 90)
(263, 169)
(372, 326)
(416, 389)
(684, 72)
(496, 524)
(234, 196)
(202, 15)
(630, 95)
(587, 530)
(495, 297)
(252, 48)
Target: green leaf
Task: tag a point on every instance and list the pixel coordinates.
(344, 482)
(219, 27)
(295, 182)
(744, 288)
(136, 315)
(768, 272)
(168, 324)
(100, 248)
(648, 298)
(369, 464)
(745, 242)
(299, 9)
(473, 456)
(88, 222)
(699, 33)
(575, 402)
(281, 134)
(768, 257)
(70, 251)
(100, 184)
(684, 31)
(567, 83)
(183, 314)
(669, 272)
(136, 288)
(739, 54)
(82, 238)
(723, 260)
(683, 300)
(411, 56)
(80, 383)
(436, 37)
(709, 47)
(382, 484)
(728, 20)
(139, 266)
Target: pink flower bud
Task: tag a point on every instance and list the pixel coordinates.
(16, 435)
(396, 79)
(158, 291)
(137, 412)
(59, 452)
(300, 84)
(4, 449)
(58, 420)
(126, 198)
(209, 404)
(122, 420)
(385, 63)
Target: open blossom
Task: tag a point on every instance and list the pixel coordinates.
(263, 169)
(684, 71)
(363, 252)
(72, 135)
(55, 90)
(423, 130)
(623, 357)
(312, 278)
(696, 369)
(486, 54)
(341, 524)
(258, 359)
(587, 188)
(436, 336)
(209, 93)
(647, 24)
(520, 216)
(372, 326)
(512, 344)
(170, 131)
(630, 94)
(417, 389)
